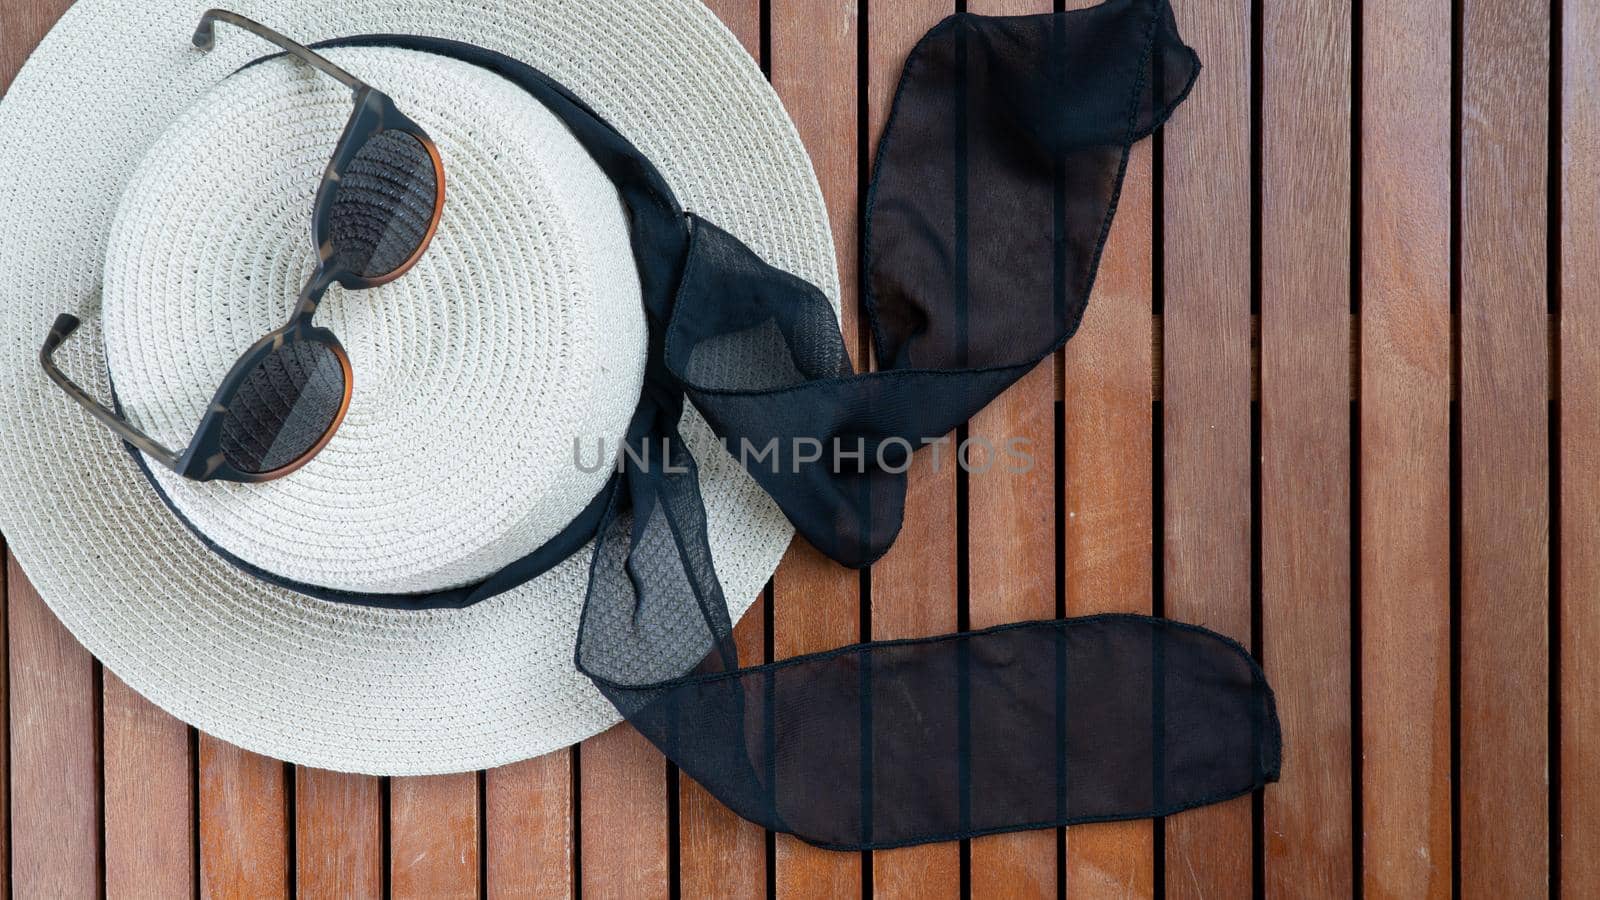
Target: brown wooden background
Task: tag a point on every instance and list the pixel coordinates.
(1338, 395)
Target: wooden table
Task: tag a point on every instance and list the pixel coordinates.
(1338, 395)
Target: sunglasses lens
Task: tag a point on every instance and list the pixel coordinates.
(286, 405)
(383, 208)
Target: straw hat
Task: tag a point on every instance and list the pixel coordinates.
(165, 199)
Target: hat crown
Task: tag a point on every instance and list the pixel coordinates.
(486, 379)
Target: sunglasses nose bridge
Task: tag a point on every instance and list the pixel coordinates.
(316, 287)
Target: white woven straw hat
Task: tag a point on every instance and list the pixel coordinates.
(165, 199)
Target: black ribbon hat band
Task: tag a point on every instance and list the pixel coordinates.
(994, 189)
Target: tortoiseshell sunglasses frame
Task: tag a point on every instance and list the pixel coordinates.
(203, 459)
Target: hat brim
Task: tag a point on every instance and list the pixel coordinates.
(315, 683)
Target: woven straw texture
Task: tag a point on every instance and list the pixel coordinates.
(520, 329)
(144, 179)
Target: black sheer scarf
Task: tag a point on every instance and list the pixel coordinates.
(994, 189)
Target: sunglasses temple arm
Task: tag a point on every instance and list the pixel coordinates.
(205, 37)
(64, 327)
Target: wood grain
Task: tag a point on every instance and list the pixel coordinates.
(23, 23)
(244, 823)
(433, 837)
(1579, 575)
(816, 602)
(1405, 449)
(914, 595)
(1012, 562)
(1011, 522)
(720, 854)
(338, 835)
(149, 797)
(814, 72)
(1305, 440)
(1206, 388)
(1505, 522)
(743, 18)
(815, 610)
(55, 775)
(623, 827)
(528, 817)
(1107, 541)
(914, 586)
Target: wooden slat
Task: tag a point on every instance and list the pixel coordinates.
(528, 810)
(743, 18)
(244, 823)
(1579, 576)
(1504, 821)
(1305, 440)
(55, 799)
(1011, 522)
(720, 854)
(914, 587)
(338, 835)
(1011, 563)
(1108, 542)
(816, 602)
(1205, 389)
(23, 23)
(149, 797)
(814, 71)
(815, 609)
(433, 837)
(624, 816)
(1108, 533)
(1405, 449)
(914, 595)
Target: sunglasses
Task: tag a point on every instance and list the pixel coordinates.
(376, 211)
